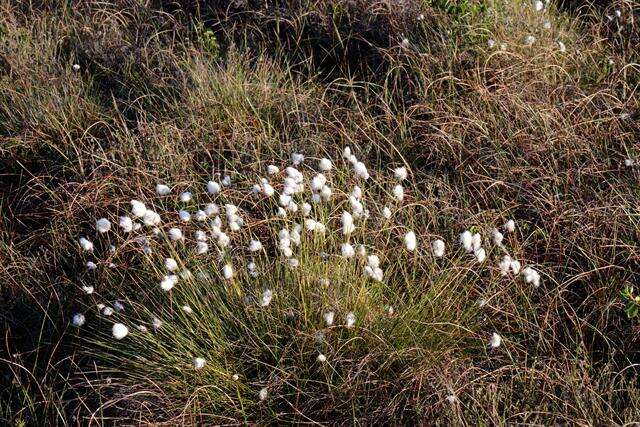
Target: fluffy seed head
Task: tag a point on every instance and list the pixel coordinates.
(119, 331)
(398, 192)
(138, 209)
(86, 244)
(510, 226)
(325, 165)
(227, 271)
(175, 234)
(400, 173)
(263, 394)
(347, 250)
(186, 197)
(103, 225)
(170, 264)
(168, 282)
(350, 319)
(437, 247)
(162, 190)
(198, 363)
(213, 187)
(495, 340)
(78, 320)
(126, 224)
(410, 241)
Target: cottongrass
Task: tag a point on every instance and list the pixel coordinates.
(289, 263)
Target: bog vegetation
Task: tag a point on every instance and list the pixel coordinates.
(329, 212)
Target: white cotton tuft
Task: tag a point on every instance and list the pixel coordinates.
(476, 241)
(347, 250)
(347, 223)
(321, 358)
(187, 309)
(126, 224)
(265, 300)
(138, 209)
(227, 271)
(329, 317)
(515, 266)
(272, 169)
(350, 319)
(325, 165)
(255, 246)
(168, 282)
(361, 170)
(561, 47)
(162, 190)
(495, 340)
(186, 196)
(156, 323)
(212, 209)
(398, 192)
(437, 247)
(170, 264)
(466, 240)
(497, 237)
(119, 331)
(505, 265)
(103, 225)
(88, 289)
(310, 224)
(198, 363)
(480, 254)
(175, 234)
(86, 244)
(326, 193)
(531, 276)
(318, 182)
(410, 241)
(78, 320)
(184, 216)
(529, 40)
(510, 226)
(357, 192)
(386, 212)
(91, 265)
(151, 218)
(538, 5)
(263, 394)
(213, 187)
(297, 158)
(373, 261)
(400, 173)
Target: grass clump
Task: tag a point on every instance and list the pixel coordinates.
(499, 110)
(270, 312)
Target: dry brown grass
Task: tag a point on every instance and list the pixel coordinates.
(527, 132)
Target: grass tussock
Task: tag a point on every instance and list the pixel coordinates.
(499, 111)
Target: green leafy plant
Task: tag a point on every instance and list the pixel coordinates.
(208, 40)
(632, 301)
